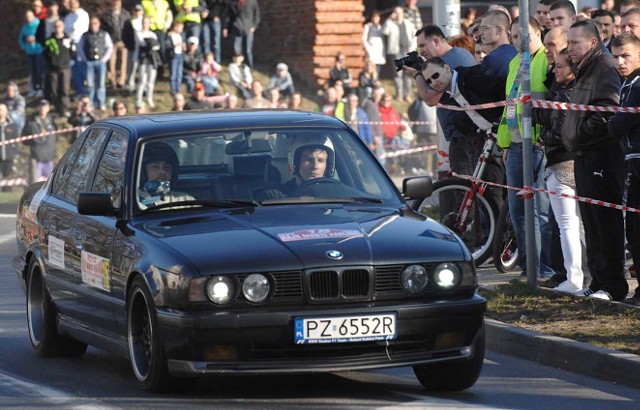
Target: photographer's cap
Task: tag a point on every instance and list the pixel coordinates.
(43, 102)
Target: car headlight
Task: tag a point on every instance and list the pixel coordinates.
(447, 276)
(220, 289)
(414, 278)
(256, 287)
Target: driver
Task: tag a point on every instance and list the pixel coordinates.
(158, 175)
(309, 158)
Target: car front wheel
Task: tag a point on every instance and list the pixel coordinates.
(145, 346)
(453, 376)
(41, 320)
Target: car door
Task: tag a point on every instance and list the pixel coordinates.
(76, 181)
(56, 214)
(96, 234)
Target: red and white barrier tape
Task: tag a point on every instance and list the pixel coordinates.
(42, 134)
(408, 151)
(527, 193)
(13, 182)
(392, 122)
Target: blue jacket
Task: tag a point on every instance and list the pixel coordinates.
(30, 30)
(364, 128)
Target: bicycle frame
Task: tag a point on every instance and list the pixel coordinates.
(462, 223)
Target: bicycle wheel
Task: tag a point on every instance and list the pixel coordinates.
(505, 246)
(479, 228)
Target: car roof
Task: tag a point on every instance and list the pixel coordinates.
(185, 122)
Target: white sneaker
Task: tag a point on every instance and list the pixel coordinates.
(586, 292)
(567, 287)
(601, 294)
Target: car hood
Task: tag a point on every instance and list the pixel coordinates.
(277, 238)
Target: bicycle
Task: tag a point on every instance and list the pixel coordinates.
(460, 204)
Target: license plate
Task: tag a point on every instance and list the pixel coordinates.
(345, 329)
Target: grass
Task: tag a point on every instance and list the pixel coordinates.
(598, 323)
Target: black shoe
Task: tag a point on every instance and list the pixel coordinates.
(554, 281)
(634, 300)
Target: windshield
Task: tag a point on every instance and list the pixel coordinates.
(262, 167)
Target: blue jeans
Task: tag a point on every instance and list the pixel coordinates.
(96, 82)
(78, 74)
(175, 81)
(211, 33)
(36, 65)
(246, 39)
(515, 178)
(211, 84)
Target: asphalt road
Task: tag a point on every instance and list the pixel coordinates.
(100, 380)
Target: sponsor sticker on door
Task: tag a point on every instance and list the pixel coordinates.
(95, 271)
(56, 251)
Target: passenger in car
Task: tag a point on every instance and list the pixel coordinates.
(158, 173)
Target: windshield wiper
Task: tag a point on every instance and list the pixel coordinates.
(205, 203)
(320, 200)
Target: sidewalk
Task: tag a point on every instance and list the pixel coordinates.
(557, 352)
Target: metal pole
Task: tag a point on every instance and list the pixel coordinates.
(446, 15)
(527, 148)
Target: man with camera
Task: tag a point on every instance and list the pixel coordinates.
(431, 42)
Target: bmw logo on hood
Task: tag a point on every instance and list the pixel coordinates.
(333, 254)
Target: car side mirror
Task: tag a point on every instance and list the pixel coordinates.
(95, 203)
(417, 187)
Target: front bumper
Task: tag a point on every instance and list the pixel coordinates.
(428, 332)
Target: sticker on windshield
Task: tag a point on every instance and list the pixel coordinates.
(56, 251)
(311, 234)
(95, 271)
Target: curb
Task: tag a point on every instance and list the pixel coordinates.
(560, 353)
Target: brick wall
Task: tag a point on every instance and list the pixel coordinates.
(307, 34)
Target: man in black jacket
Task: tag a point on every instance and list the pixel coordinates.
(242, 21)
(599, 163)
(626, 127)
(470, 86)
(212, 27)
(59, 51)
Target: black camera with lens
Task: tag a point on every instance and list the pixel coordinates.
(412, 60)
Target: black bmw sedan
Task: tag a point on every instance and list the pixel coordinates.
(243, 242)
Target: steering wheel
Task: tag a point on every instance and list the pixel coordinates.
(322, 180)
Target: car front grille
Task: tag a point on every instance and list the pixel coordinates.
(336, 284)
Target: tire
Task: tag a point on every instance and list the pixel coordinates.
(443, 205)
(505, 246)
(41, 320)
(454, 376)
(146, 351)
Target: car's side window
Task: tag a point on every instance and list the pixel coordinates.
(64, 169)
(110, 174)
(77, 180)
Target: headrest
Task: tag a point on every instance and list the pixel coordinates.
(240, 147)
(251, 166)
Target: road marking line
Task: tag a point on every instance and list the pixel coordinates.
(7, 215)
(7, 237)
(40, 391)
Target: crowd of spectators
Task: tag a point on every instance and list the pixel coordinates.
(120, 52)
